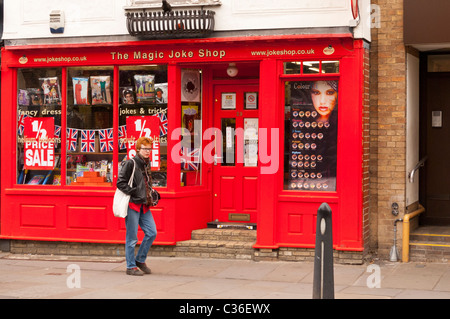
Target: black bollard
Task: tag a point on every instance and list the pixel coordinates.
(323, 284)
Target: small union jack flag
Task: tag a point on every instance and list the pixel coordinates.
(190, 158)
(122, 137)
(72, 139)
(162, 124)
(57, 131)
(20, 123)
(57, 134)
(87, 141)
(106, 140)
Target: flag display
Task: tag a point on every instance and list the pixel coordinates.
(88, 141)
(106, 140)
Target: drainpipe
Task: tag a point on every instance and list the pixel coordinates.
(393, 256)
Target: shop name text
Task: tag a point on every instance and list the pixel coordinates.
(172, 54)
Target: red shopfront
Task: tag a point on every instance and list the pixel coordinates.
(252, 147)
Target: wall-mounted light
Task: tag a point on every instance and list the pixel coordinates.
(232, 70)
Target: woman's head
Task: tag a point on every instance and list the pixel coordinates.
(324, 97)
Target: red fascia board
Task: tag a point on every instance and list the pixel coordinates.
(182, 41)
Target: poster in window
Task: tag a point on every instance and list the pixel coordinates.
(313, 135)
(228, 101)
(127, 95)
(161, 93)
(39, 148)
(189, 115)
(190, 85)
(100, 89)
(51, 90)
(80, 90)
(148, 126)
(145, 88)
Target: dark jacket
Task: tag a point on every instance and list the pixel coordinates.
(142, 176)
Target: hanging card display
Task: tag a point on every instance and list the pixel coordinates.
(23, 98)
(80, 90)
(50, 90)
(161, 93)
(145, 88)
(127, 95)
(101, 89)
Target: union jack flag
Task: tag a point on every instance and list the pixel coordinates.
(190, 158)
(57, 134)
(20, 123)
(72, 139)
(122, 137)
(57, 131)
(87, 141)
(162, 124)
(106, 140)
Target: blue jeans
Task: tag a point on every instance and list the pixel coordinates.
(148, 226)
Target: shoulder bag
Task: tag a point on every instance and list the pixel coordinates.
(121, 200)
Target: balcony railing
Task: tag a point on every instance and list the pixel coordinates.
(174, 24)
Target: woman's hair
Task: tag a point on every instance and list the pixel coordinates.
(143, 141)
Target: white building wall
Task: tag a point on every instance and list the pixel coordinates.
(29, 19)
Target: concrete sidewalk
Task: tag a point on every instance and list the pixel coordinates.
(63, 277)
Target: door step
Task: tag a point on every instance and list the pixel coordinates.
(430, 244)
(223, 243)
(231, 225)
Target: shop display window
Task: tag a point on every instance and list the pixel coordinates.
(191, 120)
(38, 121)
(89, 133)
(310, 150)
(143, 92)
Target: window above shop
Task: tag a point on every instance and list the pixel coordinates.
(311, 67)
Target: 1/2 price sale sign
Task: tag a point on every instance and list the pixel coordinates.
(138, 126)
(39, 145)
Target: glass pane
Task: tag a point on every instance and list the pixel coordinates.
(310, 67)
(39, 120)
(291, 67)
(250, 142)
(89, 133)
(439, 63)
(311, 111)
(330, 66)
(228, 141)
(191, 124)
(143, 92)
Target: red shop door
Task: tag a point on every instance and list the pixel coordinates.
(235, 175)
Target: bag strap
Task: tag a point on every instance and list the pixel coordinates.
(130, 182)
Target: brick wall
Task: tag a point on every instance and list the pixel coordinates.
(387, 124)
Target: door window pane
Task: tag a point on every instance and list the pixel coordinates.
(38, 114)
(228, 141)
(250, 142)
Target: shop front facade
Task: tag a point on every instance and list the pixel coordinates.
(256, 130)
